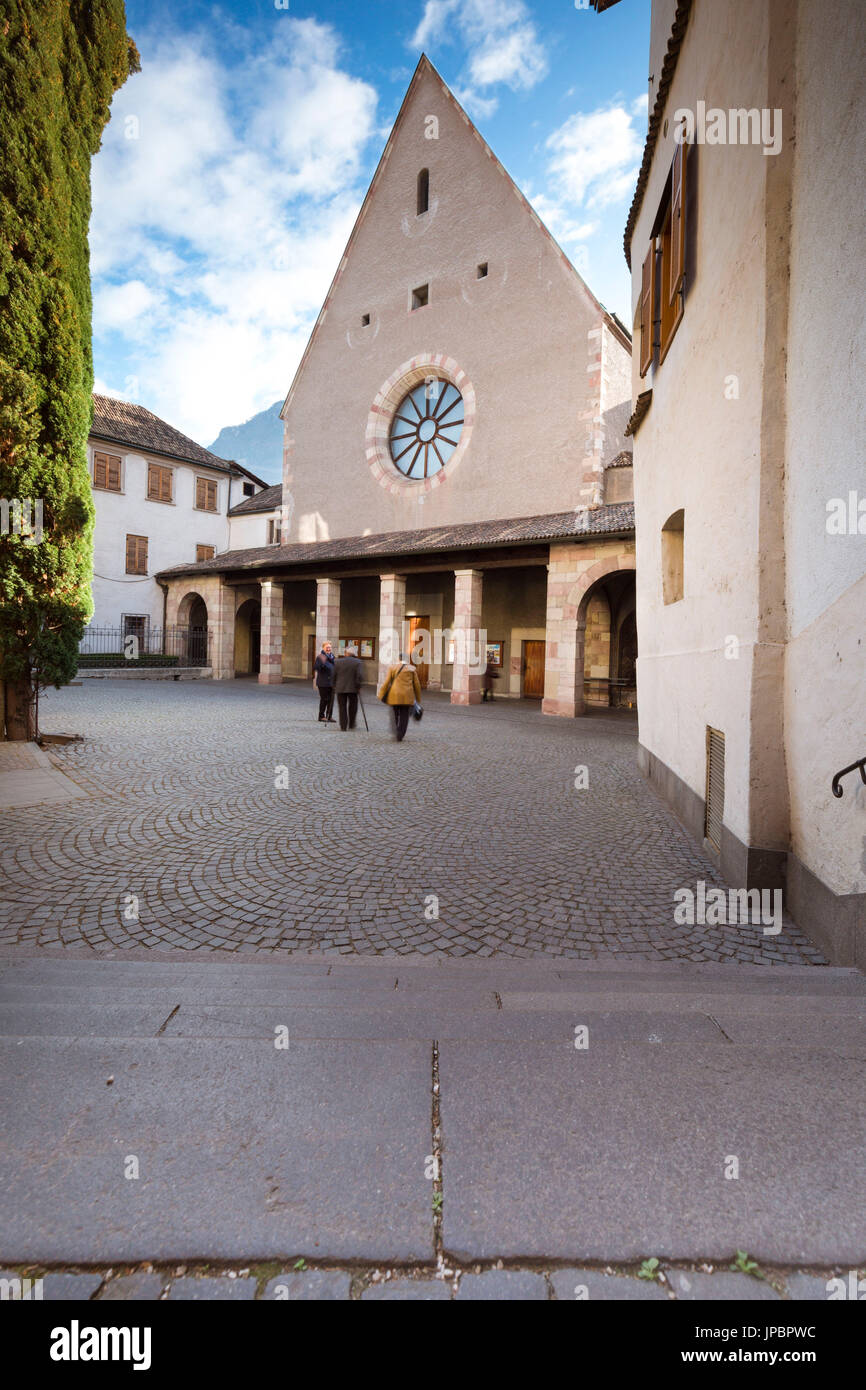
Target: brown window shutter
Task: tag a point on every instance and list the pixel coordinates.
(646, 310)
(152, 481)
(166, 484)
(113, 471)
(199, 492)
(136, 555)
(678, 222)
(100, 470)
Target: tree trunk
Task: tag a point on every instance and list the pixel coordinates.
(18, 710)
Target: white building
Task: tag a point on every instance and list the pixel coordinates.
(160, 499)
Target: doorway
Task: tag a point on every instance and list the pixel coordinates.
(311, 653)
(422, 622)
(533, 670)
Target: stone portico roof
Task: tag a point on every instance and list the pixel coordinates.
(614, 519)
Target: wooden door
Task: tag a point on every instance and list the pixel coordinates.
(416, 622)
(533, 670)
(311, 653)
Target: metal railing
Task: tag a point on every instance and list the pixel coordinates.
(837, 787)
(140, 646)
(612, 691)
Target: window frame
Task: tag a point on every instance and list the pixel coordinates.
(204, 545)
(140, 540)
(163, 468)
(274, 530)
(104, 487)
(208, 482)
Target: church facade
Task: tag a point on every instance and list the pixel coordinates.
(456, 482)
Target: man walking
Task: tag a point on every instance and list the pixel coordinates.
(323, 681)
(348, 676)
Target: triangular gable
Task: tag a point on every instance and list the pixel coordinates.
(425, 66)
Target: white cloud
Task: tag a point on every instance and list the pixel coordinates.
(501, 42)
(596, 156)
(216, 232)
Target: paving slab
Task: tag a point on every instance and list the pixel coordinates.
(67, 1287)
(36, 786)
(721, 1284)
(37, 1019)
(496, 1284)
(244, 1151)
(318, 1284)
(810, 1288)
(619, 1152)
(418, 1290)
(205, 1289)
(579, 1285)
(133, 1288)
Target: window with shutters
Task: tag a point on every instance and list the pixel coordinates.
(159, 483)
(274, 531)
(673, 554)
(715, 807)
(663, 269)
(205, 495)
(204, 552)
(136, 555)
(106, 472)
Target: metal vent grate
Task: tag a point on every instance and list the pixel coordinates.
(715, 787)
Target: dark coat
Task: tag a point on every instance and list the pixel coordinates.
(348, 674)
(323, 670)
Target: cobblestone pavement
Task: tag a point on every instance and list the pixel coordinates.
(224, 816)
(270, 1282)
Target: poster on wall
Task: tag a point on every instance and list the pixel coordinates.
(494, 653)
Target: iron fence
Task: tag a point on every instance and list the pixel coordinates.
(138, 645)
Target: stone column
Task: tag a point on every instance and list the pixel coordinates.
(221, 621)
(327, 612)
(564, 638)
(392, 616)
(271, 648)
(468, 638)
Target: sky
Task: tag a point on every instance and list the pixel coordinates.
(236, 161)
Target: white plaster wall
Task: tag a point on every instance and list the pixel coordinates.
(696, 449)
(825, 696)
(173, 529)
(520, 335)
(250, 530)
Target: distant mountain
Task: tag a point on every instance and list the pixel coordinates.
(257, 444)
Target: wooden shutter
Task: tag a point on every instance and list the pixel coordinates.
(205, 495)
(715, 787)
(158, 483)
(204, 552)
(647, 296)
(136, 555)
(106, 472)
(678, 222)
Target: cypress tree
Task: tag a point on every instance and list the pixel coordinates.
(60, 63)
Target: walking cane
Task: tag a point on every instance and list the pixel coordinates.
(364, 712)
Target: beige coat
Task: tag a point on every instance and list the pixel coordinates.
(404, 688)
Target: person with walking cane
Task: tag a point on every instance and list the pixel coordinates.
(348, 677)
(401, 689)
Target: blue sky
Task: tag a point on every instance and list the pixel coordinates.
(236, 161)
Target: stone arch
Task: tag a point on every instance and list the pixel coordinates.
(599, 592)
(248, 628)
(193, 628)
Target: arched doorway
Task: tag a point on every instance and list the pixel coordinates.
(193, 630)
(248, 638)
(610, 641)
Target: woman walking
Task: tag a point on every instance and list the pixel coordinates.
(401, 689)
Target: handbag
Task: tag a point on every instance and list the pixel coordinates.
(417, 711)
(386, 692)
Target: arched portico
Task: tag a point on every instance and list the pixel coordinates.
(574, 573)
(192, 624)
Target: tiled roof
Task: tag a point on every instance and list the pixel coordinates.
(125, 423)
(262, 502)
(598, 521)
(623, 460)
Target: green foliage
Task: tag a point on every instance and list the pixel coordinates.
(743, 1265)
(649, 1269)
(60, 63)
